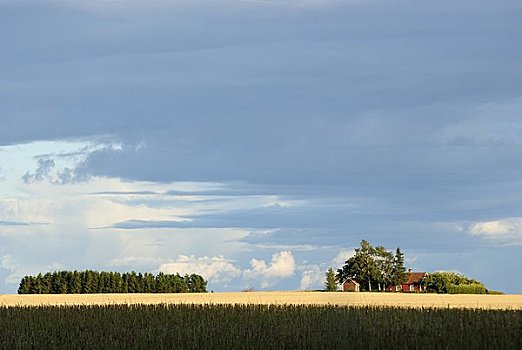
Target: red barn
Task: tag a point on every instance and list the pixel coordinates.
(351, 285)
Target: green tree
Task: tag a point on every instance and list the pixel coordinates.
(331, 281)
(362, 267)
(132, 282)
(59, 283)
(87, 282)
(373, 267)
(384, 263)
(25, 285)
(398, 275)
(161, 283)
(149, 283)
(76, 283)
(47, 281)
(196, 284)
(37, 284)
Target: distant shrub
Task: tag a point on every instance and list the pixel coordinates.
(473, 288)
(452, 283)
(495, 292)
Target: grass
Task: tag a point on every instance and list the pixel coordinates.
(182, 326)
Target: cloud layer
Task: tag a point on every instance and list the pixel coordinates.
(277, 132)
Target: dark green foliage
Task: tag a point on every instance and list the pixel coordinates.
(473, 288)
(76, 282)
(256, 327)
(330, 284)
(495, 292)
(398, 269)
(452, 283)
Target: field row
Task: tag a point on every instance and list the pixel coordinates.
(513, 302)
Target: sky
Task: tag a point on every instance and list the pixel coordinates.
(257, 142)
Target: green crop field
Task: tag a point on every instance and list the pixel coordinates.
(181, 326)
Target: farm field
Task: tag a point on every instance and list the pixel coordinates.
(404, 300)
(251, 326)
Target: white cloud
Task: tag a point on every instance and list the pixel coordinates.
(215, 269)
(341, 258)
(7, 263)
(221, 270)
(281, 266)
(312, 277)
(504, 229)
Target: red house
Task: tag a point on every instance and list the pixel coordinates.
(414, 282)
(351, 286)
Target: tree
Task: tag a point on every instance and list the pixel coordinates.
(398, 275)
(37, 284)
(362, 267)
(384, 262)
(331, 281)
(148, 283)
(373, 268)
(25, 286)
(76, 283)
(59, 283)
(197, 284)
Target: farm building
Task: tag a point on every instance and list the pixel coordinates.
(413, 283)
(351, 286)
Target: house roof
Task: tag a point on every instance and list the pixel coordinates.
(414, 277)
(349, 280)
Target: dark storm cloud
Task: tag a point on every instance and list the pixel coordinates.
(412, 107)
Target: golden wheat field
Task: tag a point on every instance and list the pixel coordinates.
(513, 302)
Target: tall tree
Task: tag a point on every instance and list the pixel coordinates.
(331, 281)
(398, 275)
(369, 269)
(25, 286)
(76, 283)
(361, 267)
(374, 267)
(384, 261)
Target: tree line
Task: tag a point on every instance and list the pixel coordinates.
(83, 282)
(374, 268)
